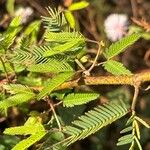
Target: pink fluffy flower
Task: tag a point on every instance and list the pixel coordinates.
(116, 26)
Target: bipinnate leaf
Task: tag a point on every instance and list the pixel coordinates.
(93, 121)
(116, 68)
(120, 46)
(79, 99)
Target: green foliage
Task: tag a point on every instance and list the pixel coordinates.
(70, 18)
(21, 94)
(37, 69)
(63, 36)
(17, 88)
(93, 121)
(121, 45)
(55, 22)
(35, 128)
(29, 36)
(53, 66)
(132, 132)
(24, 144)
(116, 68)
(10, 34)
(79, 98)
(69, 46)
(10, 6)
(8, 141)
(75, 6)
(54, 83)
(78, 5)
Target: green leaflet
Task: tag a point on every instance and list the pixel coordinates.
(29, 36)
(69, 46)
(63, 36)
(70, 18)
(22, 130)
(10, 6)
(131, 134)
(125, 139)
(127, 129)
(16, 100)
(9, 35)
(116, 68)
(121, 45)
(93, 121)
(34, 26)
(142, 122)
(79, 98)
(53, 66)
(17, 88)
(55, 21)
(54, 83)
(78, 5)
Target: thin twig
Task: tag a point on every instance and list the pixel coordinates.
(87, 72)
(54, 113)
(101, 63)
(136, 92)
(5, 70)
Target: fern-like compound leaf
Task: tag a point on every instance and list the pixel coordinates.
(16, 100)
(17, 88)
(121, 45)
(54, 83)
(93, 121)
(36, 62)
(63, 36)
(79, 98)
(10, 34)
(53, 66)
(68, 46)
(116, 68)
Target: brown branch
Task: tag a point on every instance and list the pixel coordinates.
(109, 80)
(136, 92)
(142, 77)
